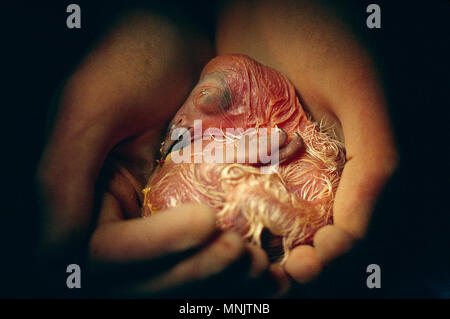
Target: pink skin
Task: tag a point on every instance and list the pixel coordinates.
(222, 99)
(235, 91)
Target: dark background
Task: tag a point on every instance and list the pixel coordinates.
(409, 234)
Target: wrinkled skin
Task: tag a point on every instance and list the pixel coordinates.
(235, 91)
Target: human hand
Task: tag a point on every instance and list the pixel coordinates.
(115, 105)
(175, 251)
(338, 83)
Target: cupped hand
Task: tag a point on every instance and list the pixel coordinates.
(179, 251)
(338, 82)
(115, 106)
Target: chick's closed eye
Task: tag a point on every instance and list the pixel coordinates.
(212, 97)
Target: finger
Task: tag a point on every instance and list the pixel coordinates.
(331, 242)
(111, 211)
(238, 268)
(281, 277)
(226, 250)
(356, 196)
(126, 190)
(66, 179)
(174, 230)
(137, 249)
(263, 279)
(303, 264)
(259, 260)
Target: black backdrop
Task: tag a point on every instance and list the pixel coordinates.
(408, 237)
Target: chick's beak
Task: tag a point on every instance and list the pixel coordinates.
(176, 138)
